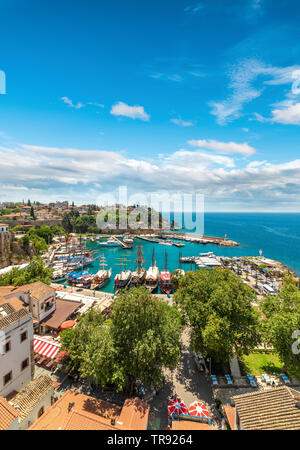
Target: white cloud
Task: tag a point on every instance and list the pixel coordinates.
(289, 115)
(242, 76)
(182, 123)
(223, 147)
(193, 9)
(134, 112)
(47, 173)
(70, 103)
(95, 104)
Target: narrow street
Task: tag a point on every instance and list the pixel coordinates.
(187, 383)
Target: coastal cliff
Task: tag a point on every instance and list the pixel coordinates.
(12, 251)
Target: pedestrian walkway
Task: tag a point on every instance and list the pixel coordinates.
(235, 368)
(187, 383)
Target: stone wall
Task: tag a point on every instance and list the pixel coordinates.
(12, 251)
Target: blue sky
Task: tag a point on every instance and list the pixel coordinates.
(177, 96)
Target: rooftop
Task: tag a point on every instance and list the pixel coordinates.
(9, 315)
(8, 414)
(64, 309)
(15, 302)
(273, 409)
(38, 290)
(75, 411)
(29, 397)
(190, 425)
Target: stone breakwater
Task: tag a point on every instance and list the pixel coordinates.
(224, 242)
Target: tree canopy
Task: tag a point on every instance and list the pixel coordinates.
(35, 271)
(282, 320)
(216, 304)
(141, 337)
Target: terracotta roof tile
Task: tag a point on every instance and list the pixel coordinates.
(230, 414)
(32, 394)
(11, 316)
(8, 414)
(38, 290)
(134, 415)
(273, 409)
(190, 425)
(75, 411)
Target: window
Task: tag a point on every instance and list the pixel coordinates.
(23, 336)
(41, 412)
(7, 378)
(7, 346)
(25, 364)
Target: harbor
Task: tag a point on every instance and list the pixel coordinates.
(106, 265)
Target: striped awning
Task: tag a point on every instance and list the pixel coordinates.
(45, 347)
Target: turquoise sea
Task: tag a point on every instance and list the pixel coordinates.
(277, 235)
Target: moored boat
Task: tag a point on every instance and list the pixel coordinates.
(111, 242)
(165, 283)
(102, 276)
(139, 275)
(122, 280)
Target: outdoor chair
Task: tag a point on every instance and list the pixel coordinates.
(228, 379)
(266, 378)
(214, 380)
(251, 381)
(284, 378)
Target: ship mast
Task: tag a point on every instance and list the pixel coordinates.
(140, 258)
(166, 260)
(153, 259)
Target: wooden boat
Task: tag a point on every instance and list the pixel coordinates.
(152, 276)
(139, 275)
(165, 283)
(122, 279)
(102, 276)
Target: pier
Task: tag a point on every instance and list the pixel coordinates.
(190, 237)
(121, 243)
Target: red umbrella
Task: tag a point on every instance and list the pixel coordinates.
(67, 324)
(198, 409)
(177, 406)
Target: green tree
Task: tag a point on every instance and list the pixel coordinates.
(216, 304)
(45, 232)
(83, 222)
(32, 212)
(282, 313)
(146, 333)
(35, 271)
(68, 221)
(141, 338)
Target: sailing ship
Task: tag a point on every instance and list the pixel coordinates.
(122, 279)
(139, 275)
(165, 284)
(102, 276)
(152, 275)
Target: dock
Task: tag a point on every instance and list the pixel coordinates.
(121, 243)
(190, 237)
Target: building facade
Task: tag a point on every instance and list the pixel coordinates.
(16, 349)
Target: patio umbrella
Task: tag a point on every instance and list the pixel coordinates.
(177, 406)
(67, 324)
(198, 409)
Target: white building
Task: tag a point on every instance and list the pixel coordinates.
(16, 349)
(3, 228)
(41, 300)
(24, 408)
